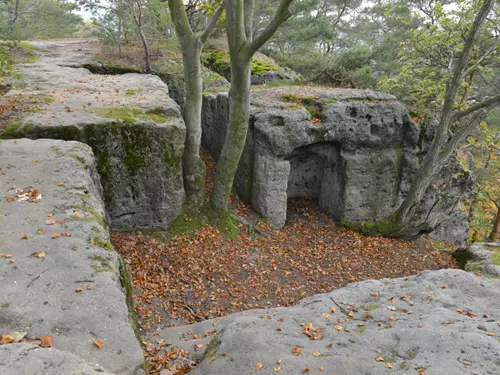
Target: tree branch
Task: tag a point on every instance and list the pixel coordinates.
(453, 84)
(282, 14)
(495, 100)
(211, 25)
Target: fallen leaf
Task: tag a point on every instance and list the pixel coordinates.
(56, 235)
(41, 254)
(258, 366)
(296, 351)
(18, 336)
(24, 237)
(277, 368)
(99, 344)
(60, 184)
(467, 363)
(46, 341)
(316, 354)
(90, 287)
(305, 369)
(6, 339)
(388, 365)
(78, 290)
(379, 359)
(279, 361)
(50, 222)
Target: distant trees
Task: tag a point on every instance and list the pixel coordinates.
(37, 19)
(454, 44)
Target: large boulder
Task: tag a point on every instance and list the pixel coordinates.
(438, 322)
(354, 151)
(59, 274)
(134, 128)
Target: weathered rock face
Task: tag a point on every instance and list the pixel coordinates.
(482, 257)
(38, 293)
(394, 320)
(358, 161)
(135, 129)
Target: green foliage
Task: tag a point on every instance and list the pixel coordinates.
(5, 64)
(39, 19)
(219, 62)
(486, 152)
(428, 55)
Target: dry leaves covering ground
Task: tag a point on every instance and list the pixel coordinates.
(203, 275)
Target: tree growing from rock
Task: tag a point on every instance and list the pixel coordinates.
(457, 117)
(242, 47)
(192, 44)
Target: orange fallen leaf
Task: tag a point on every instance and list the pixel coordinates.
(99, 344)
(60, 184)
(316, 354)
(90, 287)
(66, 234)
(50, 222)
(6, 339)
(78, 290)
(379, 359)
(41, 254)
(296, 351)
(46, 341)
(321, 368)
(388, 365)
(277, 368)
(305, 369)
(24, 237)
(258, 366)
(56, 235)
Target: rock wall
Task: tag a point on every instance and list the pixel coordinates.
(354, 151)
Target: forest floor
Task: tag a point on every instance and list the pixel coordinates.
(203, 274)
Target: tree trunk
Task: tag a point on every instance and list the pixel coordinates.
(495, 231)
(239, 104)
(193, 167)
(147, 49)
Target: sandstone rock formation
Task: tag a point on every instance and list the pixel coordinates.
(135, 129)
(59, 274)
(483, 258)
(438, 322)
(354, 151)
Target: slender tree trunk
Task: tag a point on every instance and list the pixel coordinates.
(239, 104)
(147, 49)
(495, 231)
(441, 147)
(193, 166)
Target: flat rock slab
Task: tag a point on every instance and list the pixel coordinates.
(134, 128)
(52, 247)
(438, 322)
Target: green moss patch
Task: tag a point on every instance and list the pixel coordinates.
(219, 61)
(101, 264)
(132, 115)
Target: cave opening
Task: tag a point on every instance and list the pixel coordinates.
(316, 175)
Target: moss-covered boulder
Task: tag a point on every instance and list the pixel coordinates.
(134, 128)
